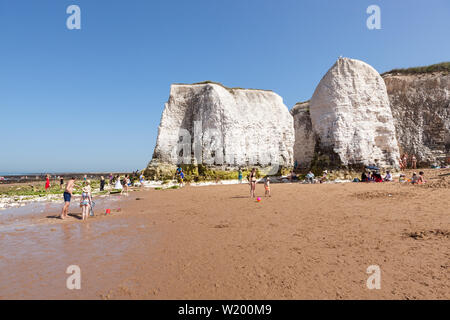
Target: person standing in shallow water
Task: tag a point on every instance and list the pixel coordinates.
(67, 197)
(252, 181)
(102, 183)
(86, 200)
(240, 176)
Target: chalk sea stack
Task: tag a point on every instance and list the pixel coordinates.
(420, 102)
(352, 118)
(225, 128)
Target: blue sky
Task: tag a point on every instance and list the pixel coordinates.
(91, 99)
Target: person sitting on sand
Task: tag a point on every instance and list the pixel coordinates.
(86, 200)
(310, 177)
(377, 177)
(252, 181)
(267, 187)
(402, 178)
(388, 176)
(421, 179)
(364, 177)
(324, 177)
(293, 177)
(414, 178)
(67, 197)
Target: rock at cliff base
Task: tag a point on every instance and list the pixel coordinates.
(305, 140)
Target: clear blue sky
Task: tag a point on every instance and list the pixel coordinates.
(91, 99)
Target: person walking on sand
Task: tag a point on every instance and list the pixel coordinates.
(67, 198)
(267, 187)
(86, 200)
(118, 184)
(126, 181)
(142, 180)
(47, 183)
(252, 181)
(182, 178)
(61, 182)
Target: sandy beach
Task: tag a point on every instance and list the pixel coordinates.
(304, 242)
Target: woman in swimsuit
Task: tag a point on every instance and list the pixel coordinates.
(252, 180)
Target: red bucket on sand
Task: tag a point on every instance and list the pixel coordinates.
(108, 211)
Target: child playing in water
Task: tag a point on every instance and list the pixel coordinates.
(267, 187)
(86, 200)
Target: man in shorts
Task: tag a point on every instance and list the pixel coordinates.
(67, 198)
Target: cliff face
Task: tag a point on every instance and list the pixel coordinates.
(210, 124)
(305, 139)
(355, 117)
(351, 116)
(420, 105)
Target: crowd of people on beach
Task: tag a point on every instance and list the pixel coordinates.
(122, 184)
(405, 159)
(87, 204)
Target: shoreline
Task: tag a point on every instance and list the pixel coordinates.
(14, 201)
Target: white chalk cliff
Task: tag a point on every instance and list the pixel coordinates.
(420, 104)
(351, 115)
(211, 124)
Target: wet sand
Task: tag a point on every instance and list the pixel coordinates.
(305, 242)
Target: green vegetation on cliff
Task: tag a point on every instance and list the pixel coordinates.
(439, 67)
(223, 86)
